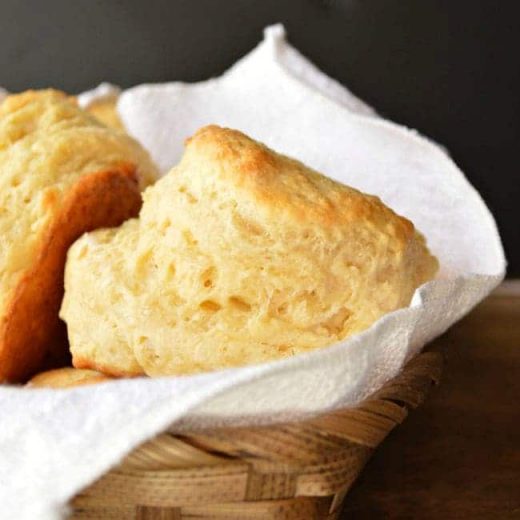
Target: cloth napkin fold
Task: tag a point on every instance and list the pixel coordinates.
(53, 443)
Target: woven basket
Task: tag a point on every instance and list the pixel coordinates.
(295, 471)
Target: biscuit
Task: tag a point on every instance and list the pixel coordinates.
(66, 378)
(105, 110)
(61, 173)
(240, 255)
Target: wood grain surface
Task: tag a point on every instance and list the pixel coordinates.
(457, 456)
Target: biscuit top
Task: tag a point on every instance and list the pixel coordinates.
(272, 180)
(34, 111)
(280, 198)
(36, 115)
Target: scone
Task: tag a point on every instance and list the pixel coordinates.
(66, 378)
(61, 173)
(240, 255)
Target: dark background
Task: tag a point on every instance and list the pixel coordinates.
(447, 68)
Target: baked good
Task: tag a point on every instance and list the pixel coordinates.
(240, 255)
(67, 377)
(105, 110)
(61, 173)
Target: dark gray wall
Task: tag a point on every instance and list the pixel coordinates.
(449, 68)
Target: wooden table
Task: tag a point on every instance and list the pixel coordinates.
(458, 456)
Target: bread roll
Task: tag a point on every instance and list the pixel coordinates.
(66, 378)
(240, 255)
(61, 173)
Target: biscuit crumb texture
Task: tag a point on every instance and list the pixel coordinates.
(61, 173)
(240, 255)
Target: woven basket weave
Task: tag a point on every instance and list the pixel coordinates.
(295, 471)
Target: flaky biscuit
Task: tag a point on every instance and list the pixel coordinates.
(61, 173)
(240, 255)
(67, 377)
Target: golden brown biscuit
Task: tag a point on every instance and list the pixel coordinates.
(61, 173)
(67, 377)
(240, 255)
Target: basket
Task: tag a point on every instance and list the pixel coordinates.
(300, 470)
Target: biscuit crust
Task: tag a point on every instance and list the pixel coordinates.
(30, 323)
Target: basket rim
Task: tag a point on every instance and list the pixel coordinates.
(302, 468)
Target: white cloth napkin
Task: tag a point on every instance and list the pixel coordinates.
(55, 442)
